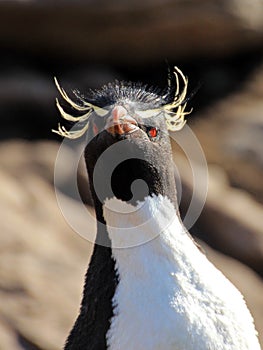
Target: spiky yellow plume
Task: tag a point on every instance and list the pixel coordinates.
(174, 112)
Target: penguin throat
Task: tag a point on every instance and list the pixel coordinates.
(129, 226)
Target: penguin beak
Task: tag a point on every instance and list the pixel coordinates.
(120, 122)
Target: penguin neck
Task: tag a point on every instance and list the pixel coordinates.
(131, 226)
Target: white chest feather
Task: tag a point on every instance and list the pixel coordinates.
(169, 295)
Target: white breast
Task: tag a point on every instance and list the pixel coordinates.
(169, 295)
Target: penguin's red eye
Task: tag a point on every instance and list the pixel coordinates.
(152, 132)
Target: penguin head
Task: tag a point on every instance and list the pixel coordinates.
(128, 143)
(139, 148)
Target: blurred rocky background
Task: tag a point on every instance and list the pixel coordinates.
(218, 44)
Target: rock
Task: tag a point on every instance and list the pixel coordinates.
(42, 260)
(129, 32)
(9, 337)
(231, 223)
(231, 135)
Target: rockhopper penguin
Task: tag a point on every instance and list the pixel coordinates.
(148, 286)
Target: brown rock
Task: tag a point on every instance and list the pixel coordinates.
(231, 220)
(42, 260)
(231, 135)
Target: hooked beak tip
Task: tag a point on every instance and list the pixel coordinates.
(120, 122)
